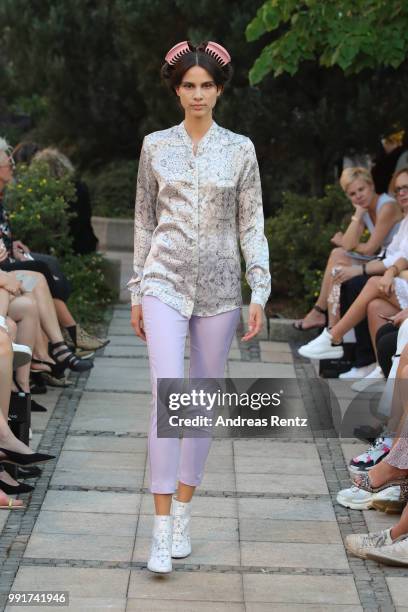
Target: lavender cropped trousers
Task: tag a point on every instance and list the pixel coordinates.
(172, 459)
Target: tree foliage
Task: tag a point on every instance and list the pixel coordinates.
(351, 34)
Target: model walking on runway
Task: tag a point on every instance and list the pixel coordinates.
(198, 197)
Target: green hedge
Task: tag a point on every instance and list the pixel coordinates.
(299, 242)
(112, 188)
(39, 216)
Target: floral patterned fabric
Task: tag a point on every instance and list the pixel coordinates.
(192, 212)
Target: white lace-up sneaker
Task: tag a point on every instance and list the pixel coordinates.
(357, 373)
(395, 553)
(373, 455)
(160, 552)
(358, 499)
(364, 543)
(367, 383)
(181, 529)
(321, 348)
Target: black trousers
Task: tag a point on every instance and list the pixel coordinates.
(386, 343)
(58, 286)
(364, 348)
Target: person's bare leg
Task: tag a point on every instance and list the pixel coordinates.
(65, 318)
(4, 302)
(46, 309)
(7, 438)
(401, 528)
(337, 257)
(383, 472)
(358, 310)
(376, 308)
(40, 351)
(185, 492)
(162, 503)
(23, 310)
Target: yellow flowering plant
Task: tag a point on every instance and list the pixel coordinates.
(37, 206)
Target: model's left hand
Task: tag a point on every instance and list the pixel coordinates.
(255, 321)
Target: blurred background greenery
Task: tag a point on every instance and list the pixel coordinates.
(314, 81)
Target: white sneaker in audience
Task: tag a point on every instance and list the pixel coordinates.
(394, 553)
(358, 499)
(366, 383)
(362, 544)
(321, 348)
(358, 372)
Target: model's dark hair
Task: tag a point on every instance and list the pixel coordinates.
(173, 74)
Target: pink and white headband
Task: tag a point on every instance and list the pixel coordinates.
(219, 53)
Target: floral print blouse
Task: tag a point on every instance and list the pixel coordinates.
(192, 212)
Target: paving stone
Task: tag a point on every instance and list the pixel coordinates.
(291, 509)
(216, 587)
(203, 528)
(105, 444)
(85, 523)
(80, 582)
(102, 478)
(275, 450)
(287, 484)
(284, 465)
(209, 552)
(73, 546)
(272, 530)
(399, 590)
(376, 521)
(118, 412)
(82, 460)
(266, 607)
(80, 604)
(288, 554)
(271, 346)
(213, 507)
(92, 501)
(126, 340)
(278, 588)
(125, 378)
(156, 605)
(129, 350)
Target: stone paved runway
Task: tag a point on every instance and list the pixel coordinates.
(267, 533)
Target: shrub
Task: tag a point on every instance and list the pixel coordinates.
(112, 189)
(38, 211)
(90, 294)
(40, 218)
(299, 242)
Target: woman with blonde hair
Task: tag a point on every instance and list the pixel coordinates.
(380, 215)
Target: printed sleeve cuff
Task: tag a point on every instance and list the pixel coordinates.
(136, 299)
(259, 298)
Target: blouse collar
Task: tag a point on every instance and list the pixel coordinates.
(210, 133)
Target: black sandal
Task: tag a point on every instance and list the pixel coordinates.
(71, 361)
(299, 326)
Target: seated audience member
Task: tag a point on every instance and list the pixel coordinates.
(379, 214)
(382, 296)
(83, 237)
(17, 256)
(12, 450)
(389, 546)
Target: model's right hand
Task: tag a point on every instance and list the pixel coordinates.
(136, 321)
